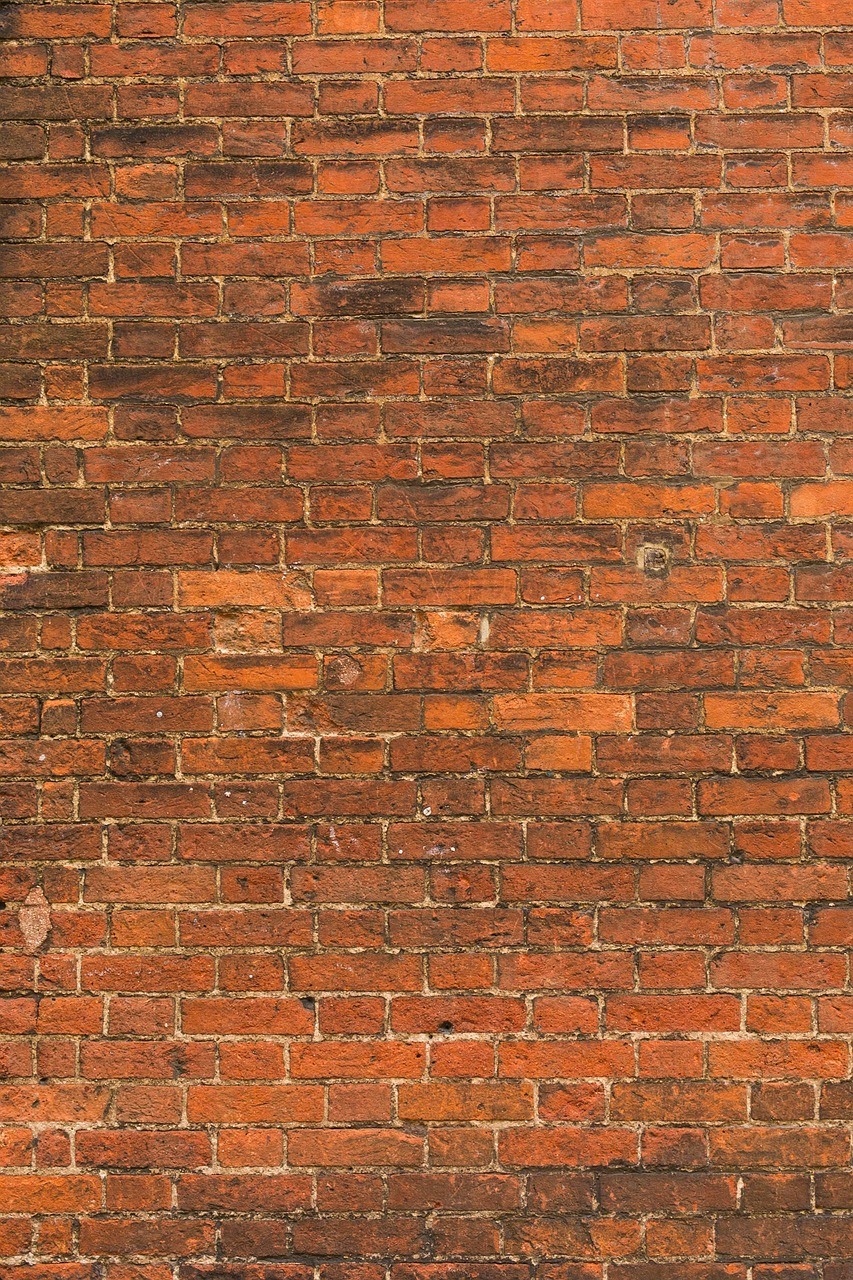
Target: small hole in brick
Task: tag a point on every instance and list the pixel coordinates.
(307, 1003)
(445, 1027)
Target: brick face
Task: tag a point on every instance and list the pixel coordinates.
(426, 611)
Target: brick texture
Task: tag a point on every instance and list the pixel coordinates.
(426, 490)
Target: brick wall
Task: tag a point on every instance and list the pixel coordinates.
(427, 505)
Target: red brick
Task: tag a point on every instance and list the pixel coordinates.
(448, 15)
(252, 1103)
(347, 1147)
(415, 421)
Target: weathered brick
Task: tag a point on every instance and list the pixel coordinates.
(426, 627)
